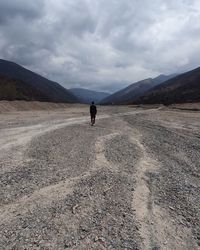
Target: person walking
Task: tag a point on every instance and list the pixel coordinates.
(93, 112)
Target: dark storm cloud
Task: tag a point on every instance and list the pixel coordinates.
(10, 9)
(101, 44)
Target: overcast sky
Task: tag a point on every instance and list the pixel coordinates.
(101, 44)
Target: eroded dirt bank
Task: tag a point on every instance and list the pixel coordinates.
(130, 182)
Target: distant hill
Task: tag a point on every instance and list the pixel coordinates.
(23, 84)
(134, 90)
(87, 96)
(183, 88)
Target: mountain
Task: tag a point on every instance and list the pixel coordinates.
(87, 96)
(11, 90)
(180, 89)
(24, 84)
(134, 90)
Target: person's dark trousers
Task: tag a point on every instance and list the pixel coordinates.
(92, 119)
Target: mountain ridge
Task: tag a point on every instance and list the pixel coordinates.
(49, 90)
(87, 95)
(134, 90)
(180, 89)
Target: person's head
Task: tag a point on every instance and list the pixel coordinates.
(92, 103)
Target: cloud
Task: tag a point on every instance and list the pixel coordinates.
(10, 10)
(103, 45)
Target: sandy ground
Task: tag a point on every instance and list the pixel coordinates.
(132, 181)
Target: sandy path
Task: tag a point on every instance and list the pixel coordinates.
(66, 185)
(157, 228)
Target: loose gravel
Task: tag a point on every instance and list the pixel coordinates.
(176, 186)
(74, 187)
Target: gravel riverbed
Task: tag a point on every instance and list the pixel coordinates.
(130, 182)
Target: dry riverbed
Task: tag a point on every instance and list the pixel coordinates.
(130, 182)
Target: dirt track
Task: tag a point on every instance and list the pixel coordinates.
(130, 182)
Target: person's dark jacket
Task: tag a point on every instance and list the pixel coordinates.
(93, 110)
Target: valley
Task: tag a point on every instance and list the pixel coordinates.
(129, 182)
